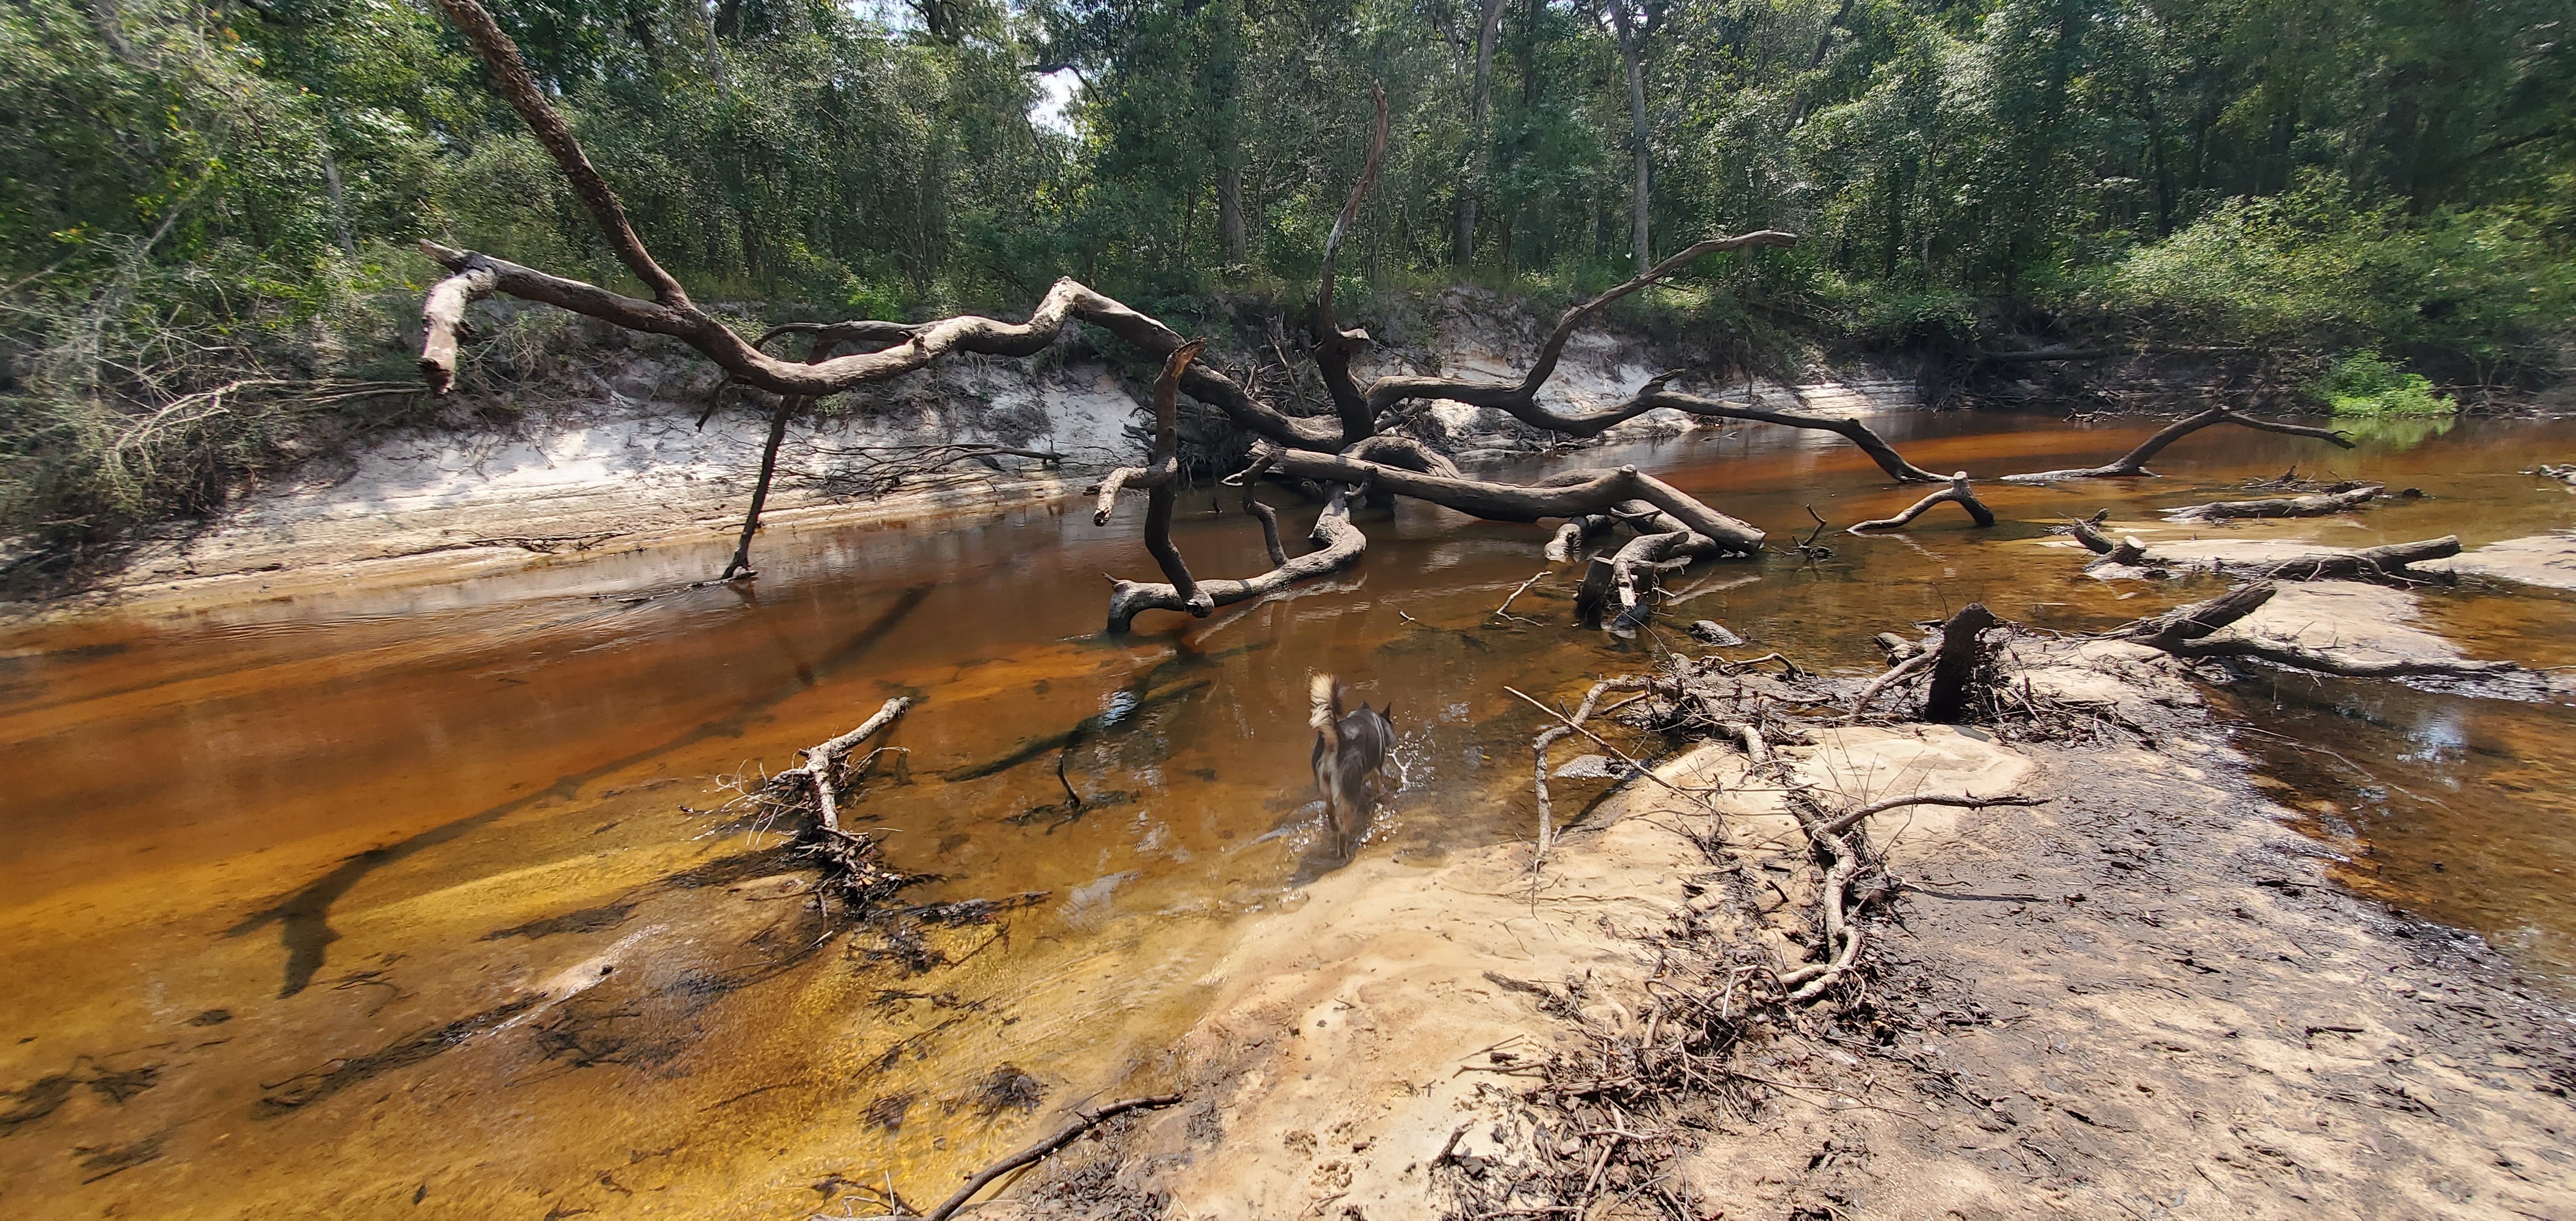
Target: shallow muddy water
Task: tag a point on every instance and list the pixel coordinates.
(407, 900)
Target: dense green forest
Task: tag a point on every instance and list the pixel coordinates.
(202, 197)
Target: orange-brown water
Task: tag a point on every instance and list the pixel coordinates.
(284, 877)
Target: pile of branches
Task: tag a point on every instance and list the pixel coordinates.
(1630, 1096)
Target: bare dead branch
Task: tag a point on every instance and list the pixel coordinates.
(1334, 346)
(1342, 546)
(1158, 501)
(1083, 1122)
(2134, 463)
(1388, 391)
(822, 759)
(1958, 492)
(1570, 494)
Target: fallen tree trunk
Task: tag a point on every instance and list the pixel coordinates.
(2279, 506)
(672, 313)
(2134, 463)
(2187, 632)
(2388, 563)
(2370, 563)
(1569, 494)
(1957, 492)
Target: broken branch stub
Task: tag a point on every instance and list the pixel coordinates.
(1959, 665)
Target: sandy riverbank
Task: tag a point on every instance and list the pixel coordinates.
(2143, 998)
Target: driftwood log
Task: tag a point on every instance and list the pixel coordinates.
(1958, 492)
(2191, 632)
(2318, 505)
(2134, 463)
(2387, 564)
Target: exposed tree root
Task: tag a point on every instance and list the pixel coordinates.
(1958, 492)
(2134, 463)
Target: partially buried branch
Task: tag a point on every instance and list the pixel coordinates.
(1083, 1122)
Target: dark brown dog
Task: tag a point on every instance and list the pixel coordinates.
(1353, 751)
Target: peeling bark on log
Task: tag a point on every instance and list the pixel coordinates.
(1957, 492)
(2282, 506)
(1342, 546)
(2134, 463)
(1569, 494)
(1957, 663)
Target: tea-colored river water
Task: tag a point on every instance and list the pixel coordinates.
(310, 899)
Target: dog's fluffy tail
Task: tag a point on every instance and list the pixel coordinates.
(1324, 695)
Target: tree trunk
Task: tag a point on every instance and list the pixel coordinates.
(1229, 216)
(1462, 246)
(1629, 52)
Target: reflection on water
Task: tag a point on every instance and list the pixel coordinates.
(406, 899)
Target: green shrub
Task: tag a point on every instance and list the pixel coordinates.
(2364, 384)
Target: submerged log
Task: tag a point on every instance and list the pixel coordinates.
(2279, 506)
(2134, 463)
